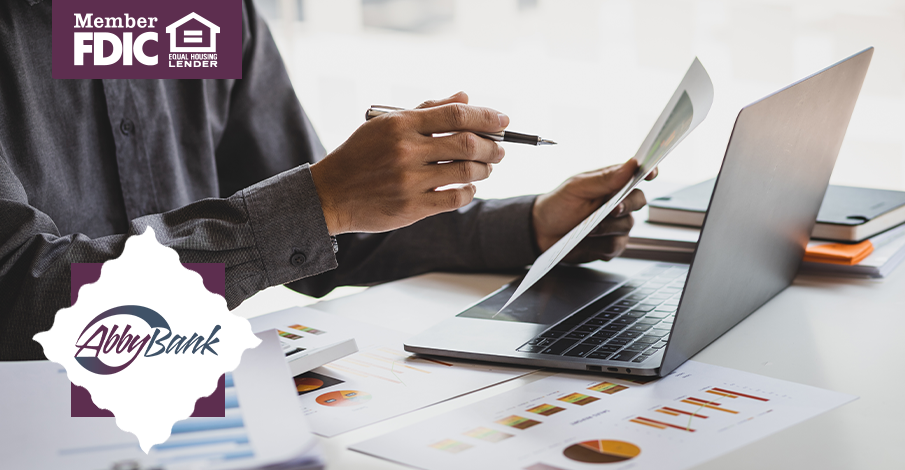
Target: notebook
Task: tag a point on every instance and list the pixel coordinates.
(848, 214)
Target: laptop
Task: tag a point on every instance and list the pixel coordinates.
(646, 318)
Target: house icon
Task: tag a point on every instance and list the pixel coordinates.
(192, 36)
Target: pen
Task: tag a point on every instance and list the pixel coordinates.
(503, 136)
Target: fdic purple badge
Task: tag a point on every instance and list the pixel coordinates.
(147, 39)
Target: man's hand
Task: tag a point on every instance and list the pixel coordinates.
(557, 212)
(387, 174)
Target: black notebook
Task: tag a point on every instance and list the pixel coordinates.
(847, 214)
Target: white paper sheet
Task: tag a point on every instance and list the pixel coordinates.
(262, 426)
(382, 380)
(565, 421)
(686, 109)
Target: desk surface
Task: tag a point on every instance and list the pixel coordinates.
(835, 333)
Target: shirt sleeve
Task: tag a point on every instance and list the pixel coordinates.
(486, 235)
(267, 234)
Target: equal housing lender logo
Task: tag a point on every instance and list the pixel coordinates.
(147, 39)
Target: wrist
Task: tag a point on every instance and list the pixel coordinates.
(542, 241)
(328, 205)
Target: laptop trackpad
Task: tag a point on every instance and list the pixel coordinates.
(558, 294)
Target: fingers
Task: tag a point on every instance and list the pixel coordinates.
(603, 182)
(614, 226)
(604, 248)
(454, 117)
(459, 97)
(653, 174)
(463, 146)
(456, 173)
(450, 199)
(634, 201)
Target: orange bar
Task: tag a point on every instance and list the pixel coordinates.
(648, 424)
(684, 412)
(740, 394)
(724, 395)
(433, 360)
(661, 423)
(705, 405)
(704, 402)
(667, 412)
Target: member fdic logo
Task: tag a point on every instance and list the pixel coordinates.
(147, 340)
(141, 39)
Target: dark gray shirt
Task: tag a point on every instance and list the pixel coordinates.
(219, 169)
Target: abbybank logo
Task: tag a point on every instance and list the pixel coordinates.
(160, 39)
(106, 342)
(146, 324)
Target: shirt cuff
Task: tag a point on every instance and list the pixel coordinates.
(289, 227)
(507, 234)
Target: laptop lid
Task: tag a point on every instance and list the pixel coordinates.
(774, 174)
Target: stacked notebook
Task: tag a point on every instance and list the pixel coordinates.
(859, 231)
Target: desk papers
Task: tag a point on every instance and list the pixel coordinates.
(568, 421)
(381, 381)
(262, 426)
(686, 109)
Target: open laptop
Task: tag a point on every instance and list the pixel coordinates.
(647, 318)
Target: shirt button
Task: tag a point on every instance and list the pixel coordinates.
(298, 258)
(126, 127)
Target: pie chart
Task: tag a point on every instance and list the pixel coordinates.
(344, 398)
(602, 451)
(307, 384)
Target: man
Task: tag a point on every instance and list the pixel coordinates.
(231, 171)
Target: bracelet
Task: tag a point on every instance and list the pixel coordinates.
(335, 244)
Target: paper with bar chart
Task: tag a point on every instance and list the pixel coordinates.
(568, 421)
(382, 380)
(261, 426)
(687, 107)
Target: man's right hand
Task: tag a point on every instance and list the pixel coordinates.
(386, 175)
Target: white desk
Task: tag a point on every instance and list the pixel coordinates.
(839, 334)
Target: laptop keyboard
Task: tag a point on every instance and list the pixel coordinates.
(629, 324)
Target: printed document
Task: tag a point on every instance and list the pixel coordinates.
(382, 380)
(686, 109)
(262, 426)
(571, 421)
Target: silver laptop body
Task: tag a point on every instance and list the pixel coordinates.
(773, 177)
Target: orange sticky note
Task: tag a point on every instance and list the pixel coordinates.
(839, 253)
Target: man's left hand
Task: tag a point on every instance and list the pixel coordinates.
(559, 211)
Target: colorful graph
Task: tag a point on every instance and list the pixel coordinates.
(730, 394)
(676, 412)
(451, 446)
(307, 329)
(344, 398)
(659, 424)
(307, 384)
(709, 404)
(489, 435)
(608, 388)
(311, 381)
(288, 335)
(546, 410)
(602, 451)
(578, 399)
(518, 422)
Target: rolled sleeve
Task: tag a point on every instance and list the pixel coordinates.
(289, 228)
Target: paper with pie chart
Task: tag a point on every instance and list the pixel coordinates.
(381, 380)
(687, 107)
(567, 421)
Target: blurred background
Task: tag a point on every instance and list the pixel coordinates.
(594, 75)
